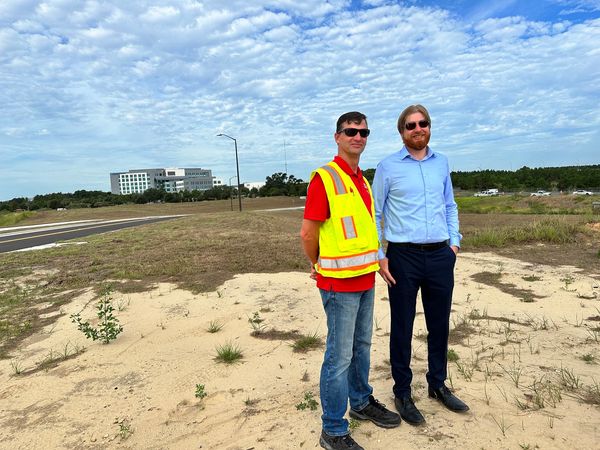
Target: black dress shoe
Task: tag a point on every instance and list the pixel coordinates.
(408, 411)
(448, 399)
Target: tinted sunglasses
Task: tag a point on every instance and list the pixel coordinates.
(412, 125)
(351, 132)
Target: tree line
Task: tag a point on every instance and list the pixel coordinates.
(280, 183)
(277, 184)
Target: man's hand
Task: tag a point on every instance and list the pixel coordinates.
(454, 249)
(313, 272)
(384, 271)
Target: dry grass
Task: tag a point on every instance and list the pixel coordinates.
(198, 252)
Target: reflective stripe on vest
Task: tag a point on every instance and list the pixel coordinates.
(349, 262)
(338, 184)
(349, 227)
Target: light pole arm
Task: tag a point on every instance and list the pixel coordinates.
(237, 167)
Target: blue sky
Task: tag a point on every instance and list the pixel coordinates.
(91, 87)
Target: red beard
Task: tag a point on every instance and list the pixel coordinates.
(416, 141)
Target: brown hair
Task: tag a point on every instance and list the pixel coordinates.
(350, 117)
(411, 110)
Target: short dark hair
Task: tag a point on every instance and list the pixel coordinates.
(350, 117)
(411, 110)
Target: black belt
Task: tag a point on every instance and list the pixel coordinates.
(423, 247)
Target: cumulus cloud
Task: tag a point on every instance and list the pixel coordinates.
(100, 86)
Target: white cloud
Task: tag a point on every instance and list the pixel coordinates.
(146, 83)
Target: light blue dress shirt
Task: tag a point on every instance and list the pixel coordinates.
(415, 200)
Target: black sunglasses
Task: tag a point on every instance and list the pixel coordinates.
(351, 132)
(412, 125)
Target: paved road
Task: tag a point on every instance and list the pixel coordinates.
(19, 238)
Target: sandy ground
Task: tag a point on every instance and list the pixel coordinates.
(521, 369)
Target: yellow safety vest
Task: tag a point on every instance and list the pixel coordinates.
(348, 241)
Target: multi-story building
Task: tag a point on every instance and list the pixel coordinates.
(169, 179)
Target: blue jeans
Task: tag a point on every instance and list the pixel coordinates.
(345, 369)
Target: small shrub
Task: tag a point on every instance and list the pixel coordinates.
(308, 402)
(200, 392)
(108, 325)
(452, 356)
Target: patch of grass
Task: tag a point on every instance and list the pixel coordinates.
(214, 326)
(9, 219)
(228, 353)
(555, 231)
(307, 342)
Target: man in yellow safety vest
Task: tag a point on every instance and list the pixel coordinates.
(339, 236)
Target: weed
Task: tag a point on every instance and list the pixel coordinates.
(256, 322)
(353, 424)
(16, 366)
(200, 392)
(588, 358)
(531, 278)
(452, 356)
(307, 342)
(568, 280)
(251, 401)
(228, 353)
(514, 374)
(594, 334)
(125, 430)
(108, 326)
(308, 402)
(568, 379)
(123, 304)
(502, 425)
(465, 370)
(214, 326)
(591, 394)
(305, 376)
(527, 298)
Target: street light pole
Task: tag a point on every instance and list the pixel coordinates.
(237, 168)
(231, 192)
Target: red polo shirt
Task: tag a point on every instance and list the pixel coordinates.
(317, 208)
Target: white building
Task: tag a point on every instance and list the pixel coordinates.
(170, 179)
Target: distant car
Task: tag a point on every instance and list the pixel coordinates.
(540, 194)
(582, 192)
(486, 193)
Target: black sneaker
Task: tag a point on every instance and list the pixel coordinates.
(338, 442)
(377, 413)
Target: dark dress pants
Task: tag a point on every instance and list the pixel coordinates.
(432, 271)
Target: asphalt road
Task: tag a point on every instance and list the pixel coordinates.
(19, 238)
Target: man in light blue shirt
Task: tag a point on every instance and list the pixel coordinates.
(413, 195)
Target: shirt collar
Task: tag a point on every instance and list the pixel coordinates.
(404, 153)
(346, 168)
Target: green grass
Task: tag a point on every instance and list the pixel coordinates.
(555, 231)
(214, 326)
(228, 353)
(9, 219)
(307, 342)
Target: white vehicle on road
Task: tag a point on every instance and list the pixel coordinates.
(540, 194)
(486, 193)
(582, 192)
